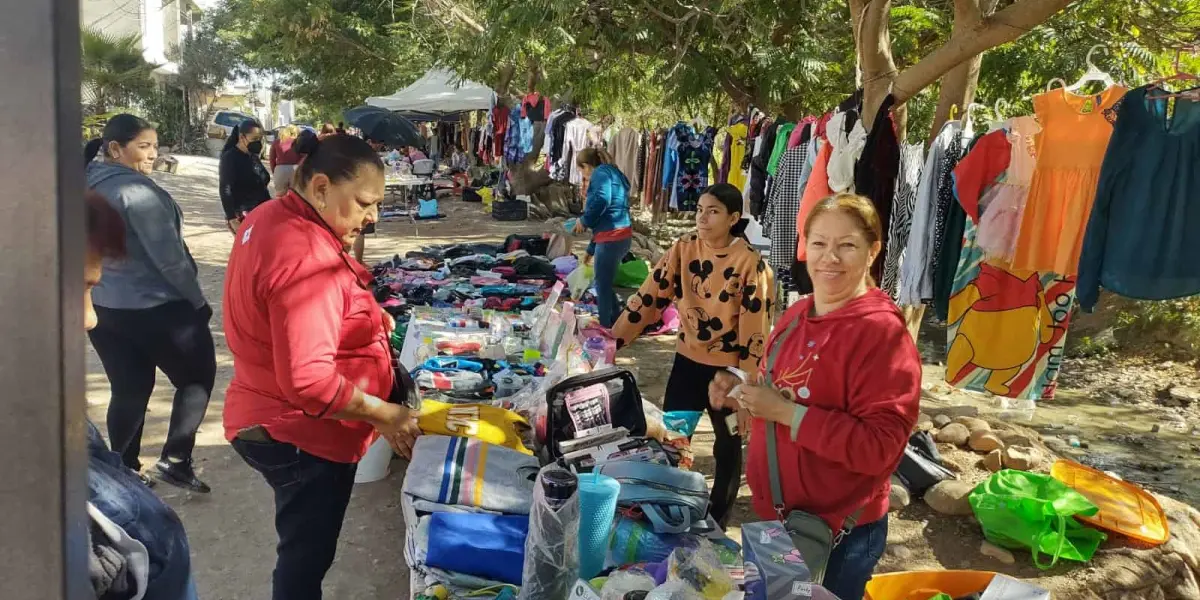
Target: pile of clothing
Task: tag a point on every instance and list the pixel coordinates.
(466, 507)
(511, 276)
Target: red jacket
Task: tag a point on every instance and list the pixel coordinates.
(283, 153)
(304, 332)
(858, 372)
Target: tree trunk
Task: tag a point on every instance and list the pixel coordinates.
(959, 84)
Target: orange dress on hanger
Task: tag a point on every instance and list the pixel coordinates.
(1070, 151)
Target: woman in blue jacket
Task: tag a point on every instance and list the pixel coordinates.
(606, 213)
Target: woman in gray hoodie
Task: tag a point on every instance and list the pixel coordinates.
(152, 312)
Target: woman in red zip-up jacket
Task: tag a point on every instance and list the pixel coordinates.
(312, 365)
(841, 386)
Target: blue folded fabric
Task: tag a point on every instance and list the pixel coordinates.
(439, 364)
(489, 546)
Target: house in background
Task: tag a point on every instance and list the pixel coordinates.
(160, 24)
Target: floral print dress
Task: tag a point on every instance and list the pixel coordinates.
(695, 152)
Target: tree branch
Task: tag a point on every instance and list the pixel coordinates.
(1002, 27)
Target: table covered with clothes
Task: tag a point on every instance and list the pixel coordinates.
(541, 468)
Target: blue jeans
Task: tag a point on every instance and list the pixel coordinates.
(852, 562)
(607, 259)
(125, 500)
(311, 496)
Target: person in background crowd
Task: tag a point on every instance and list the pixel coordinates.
(313, 378)
(327, 129)
(459, 165)
(243, 178)
(415, 154)
(842, 422)
(376, 145)
(606, 213)
(137, 546)
(283, 158)
(151, 309)
(341, 128)
(723, 291)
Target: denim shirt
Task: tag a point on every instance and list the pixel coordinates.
(127, 502)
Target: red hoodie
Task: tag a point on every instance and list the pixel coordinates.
(858, 372)
(304, 332)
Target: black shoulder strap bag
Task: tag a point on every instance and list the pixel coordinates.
(811, 535)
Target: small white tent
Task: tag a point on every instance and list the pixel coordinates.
(435, 93)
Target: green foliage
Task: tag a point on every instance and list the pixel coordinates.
(113, 70)
(1176, 322)
(166, 109)
(1139, 39)
(329, 54)
(651, 62)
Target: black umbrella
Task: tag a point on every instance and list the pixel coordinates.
(383, 125)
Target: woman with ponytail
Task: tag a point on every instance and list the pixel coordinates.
(606, 213)
(243, 177)
(723, 291)
(152, 313)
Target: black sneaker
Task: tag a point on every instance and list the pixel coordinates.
(180, 474)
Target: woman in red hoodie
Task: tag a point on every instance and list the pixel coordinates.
(841, 387)
(313, 378)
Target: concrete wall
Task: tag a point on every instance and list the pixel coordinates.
(115, 17)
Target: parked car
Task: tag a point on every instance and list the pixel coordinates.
(221, 127)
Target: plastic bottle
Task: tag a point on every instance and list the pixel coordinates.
(552, 547)
(597, 350)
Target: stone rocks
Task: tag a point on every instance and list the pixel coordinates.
(954, 433)
(1185, 396)
(899, 497)
(1013, 438)
(973, 424)
(950, 497)
(994, 460)
(993, 551)
(1020, 457)
(898, 552)
(984, 441)
(924, 422)
(965, 410)
(940, 421)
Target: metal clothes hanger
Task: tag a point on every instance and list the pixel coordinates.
(968, 128)
(1093, 73)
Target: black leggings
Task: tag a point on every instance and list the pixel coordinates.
(687, 389)
(173, 337)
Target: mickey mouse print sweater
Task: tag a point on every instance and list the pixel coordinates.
(724, 298)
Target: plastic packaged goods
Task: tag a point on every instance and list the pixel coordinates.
(701, 569)
(675, 590)
(621, 583)
(552, 547)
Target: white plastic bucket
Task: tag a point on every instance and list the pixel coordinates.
(376, 464)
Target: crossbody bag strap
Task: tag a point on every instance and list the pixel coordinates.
(772, 445)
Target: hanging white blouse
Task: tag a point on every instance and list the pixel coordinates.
(847, 147)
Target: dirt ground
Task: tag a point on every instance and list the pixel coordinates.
(231, 529)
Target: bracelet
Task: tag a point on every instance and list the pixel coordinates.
(798, 412)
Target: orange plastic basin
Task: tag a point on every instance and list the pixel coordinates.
(923, 585)
(1124, 508)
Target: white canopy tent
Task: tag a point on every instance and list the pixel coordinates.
(436, 93)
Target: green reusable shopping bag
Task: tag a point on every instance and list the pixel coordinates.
(631, 274)
(1018, 509)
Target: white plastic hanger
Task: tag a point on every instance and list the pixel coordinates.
(1093, 73)
(968, 128)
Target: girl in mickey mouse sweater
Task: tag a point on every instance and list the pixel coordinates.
(723, 290)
